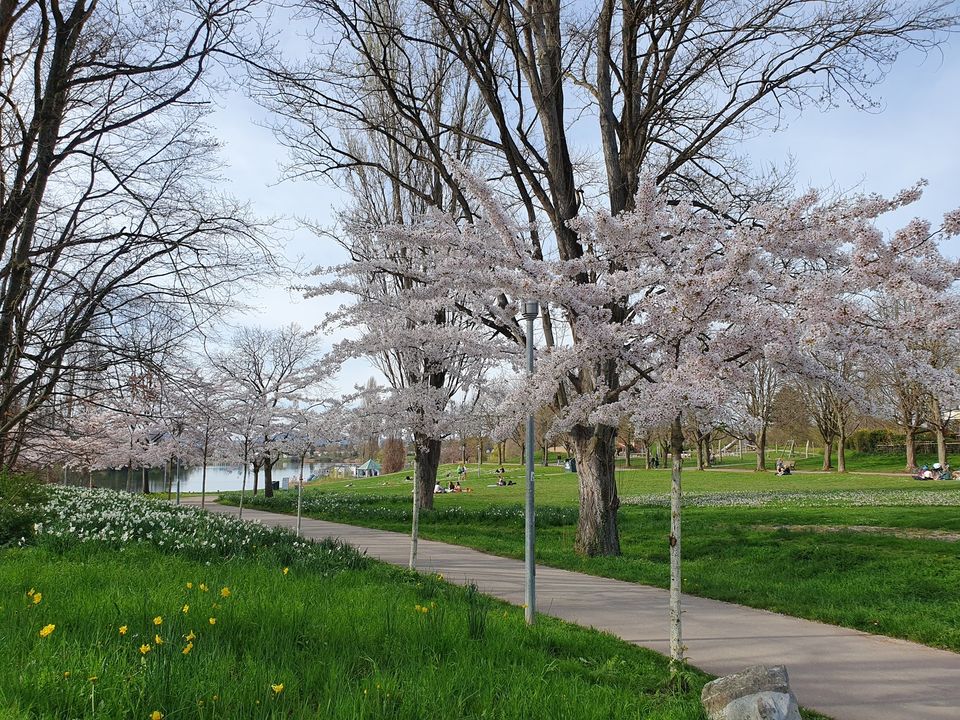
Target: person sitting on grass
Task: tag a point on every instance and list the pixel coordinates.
(438, 488)
(457, 488)
(501, 482)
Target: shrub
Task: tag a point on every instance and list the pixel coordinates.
(394, 456)
(868, 441)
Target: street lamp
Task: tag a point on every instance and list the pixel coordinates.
(531, 309)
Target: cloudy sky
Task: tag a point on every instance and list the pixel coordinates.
(911, 136)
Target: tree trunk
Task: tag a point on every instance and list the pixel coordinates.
(268, 477)
(701, 454)
(594, 449)
(676, 630)
(762, 450)
(427, 453)
(707, 449)
(256, 475)
(546, 454)
(827, 450)
(627, 450)
(911, 447)
(842, 450)
(941, 446)
(145, 480)
(500, 453)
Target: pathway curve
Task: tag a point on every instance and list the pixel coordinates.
(846, 674)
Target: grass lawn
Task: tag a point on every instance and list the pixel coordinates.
(815, 546)
(371, 643)
(124, 607)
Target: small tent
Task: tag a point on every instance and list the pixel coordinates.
(371, 468)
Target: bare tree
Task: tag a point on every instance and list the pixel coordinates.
(105, 213)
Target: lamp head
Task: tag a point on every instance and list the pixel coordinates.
(531, 308)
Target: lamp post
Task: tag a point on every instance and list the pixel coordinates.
(530, 311)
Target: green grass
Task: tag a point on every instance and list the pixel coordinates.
(901, 587)
(350, 645)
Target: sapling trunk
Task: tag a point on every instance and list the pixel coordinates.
(676, 629)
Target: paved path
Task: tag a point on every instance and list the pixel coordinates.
(842, 673)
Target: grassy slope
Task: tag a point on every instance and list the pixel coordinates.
(882, 584)
(350, 645)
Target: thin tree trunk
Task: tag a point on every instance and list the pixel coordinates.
(256, 475)
(203, 479)
(701, 455)
(243, 487)
(594, 450)
(676, 629)
(842, 450)
(415, 520)
(827, 451)
(911, 447)
(427, 459)
(145, 480)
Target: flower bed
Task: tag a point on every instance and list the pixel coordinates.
(117, 520)
(787, 498)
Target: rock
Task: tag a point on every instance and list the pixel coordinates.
(757, 693)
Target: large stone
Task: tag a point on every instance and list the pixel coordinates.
(757, 693)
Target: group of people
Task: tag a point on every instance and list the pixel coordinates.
(501, 481)
(452, 488)
(783, 468)
(937, 472)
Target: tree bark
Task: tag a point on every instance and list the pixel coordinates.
(941, 446)
(762, 450)
(427, 452)
(911, 447)
(594, 449)
(256, 475)
(676, 630)
(145, 480)
(842, 450)
(827, 450)
(268, 477)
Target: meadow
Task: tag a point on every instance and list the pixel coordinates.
(877, 552)
(125, 607)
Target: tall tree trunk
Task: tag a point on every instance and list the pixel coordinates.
(941, 446)
(647, 461)
(594, 449)
(203, 480)
(256, 475)
(707, 449)
(546, 453)
(500, 453)
(911, 447)
(762, 450)
(676, 630)
(701, 453)
(827, 451)
(841, 449)
(427, 453)
(627, 450)
(145, 480)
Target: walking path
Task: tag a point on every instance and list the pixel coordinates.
(846, 674)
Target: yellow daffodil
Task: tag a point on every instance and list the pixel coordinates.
(66, 674)
(213, 621)
(189, 586)
(144, 649)
(190, 636)
(46, 630)
(203, 587)
(156, 715)
(123, 629)
(286, 571)
(158, 620)
(277, 689)
(37, 597)
(186, 609)
(225, 592)
(187, 648)
(158, 640)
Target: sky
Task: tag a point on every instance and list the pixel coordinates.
(912, 135)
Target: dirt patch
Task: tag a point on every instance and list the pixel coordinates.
(908, 533)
